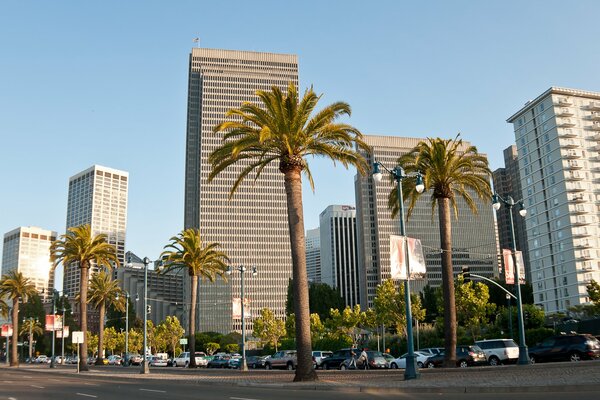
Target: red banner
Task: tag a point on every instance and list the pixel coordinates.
(53, 322)
(7, 330)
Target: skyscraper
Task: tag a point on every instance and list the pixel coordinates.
(252, 226)
(558, 142)
(27, 250)
(98, 197)
(507, 182)
(313, 255)
(474, 239)
(339, 253)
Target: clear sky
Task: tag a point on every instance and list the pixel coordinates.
(105, 82)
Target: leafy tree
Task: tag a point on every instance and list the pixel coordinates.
(389, 305)
(203, 338)
(429, 300)
(201, 260)
(104, 290)
(79, 247)
(30, 328)
(115, 317)
(111, 338)
(15, 286)
(593, 289)
(232, 348)
(171, 331)
(317, 328)
(472, 305)
(451, 170)
(136, 341)
(151, 335)
(348, 323)
(211, 347)
(322, 298)
(268, 328)
(93, 341)
(281, 130)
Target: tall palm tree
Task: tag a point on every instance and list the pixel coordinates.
(201, 260)
(283, 129)
(104, 291)
(16, 287)
(451, 170)
(79, 246)
(31, 327)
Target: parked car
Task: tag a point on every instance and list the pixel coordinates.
(466, 355)
(400, 362)
(260, 362)
(183, 360)
(133, 359)
(375, 361)
(571, 347)
(388, 358)
(499, 351)
(318, 356)
(157, 361)
(221, 361)
(235, 362)
(431, 351)
(42, 359)
(72, 360)
(282, 359)
(114, 359)
(338, 357)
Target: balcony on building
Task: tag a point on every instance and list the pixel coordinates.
(567, 133)
(583, 244)
(575, 187)
(572, 154)
(564, 112)
(571, 164)
(580, 221)
(580, 233)
(584, 255)
(595, 126)
(570, 143)
(579, 209)
(565, 102)
(566, 122)
(595, 116)
(594, 105)
(578, 198)
(573, 176)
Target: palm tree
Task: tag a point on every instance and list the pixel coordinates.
(282, 130)
(187, 251)
(79, 246)
(16, 287)
(104, 291)
(31, 327)
(451, 170)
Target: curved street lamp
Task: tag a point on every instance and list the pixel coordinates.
(410, 372)
(508, 201)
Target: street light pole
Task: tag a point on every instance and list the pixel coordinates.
(144, 365)
(126, 329)
(242, 269)
(510, 329)
(52, 364)
(509, 203)
(410, 372)
(62, 356)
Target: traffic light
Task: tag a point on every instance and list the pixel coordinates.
(148, 309)
(466, 274)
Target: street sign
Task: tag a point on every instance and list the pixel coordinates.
(183, 341)
(77, 337)
(7, 330)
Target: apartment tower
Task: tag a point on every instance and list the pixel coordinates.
(558, 142)
(27, 250)
(474, 239)
(313, 255)
(339, 253)
(252, 225)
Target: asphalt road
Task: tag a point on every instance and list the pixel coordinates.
(46, 385)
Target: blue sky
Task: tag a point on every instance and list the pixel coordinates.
(105, 82)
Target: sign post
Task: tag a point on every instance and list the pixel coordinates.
(77, 337)
(183, 342)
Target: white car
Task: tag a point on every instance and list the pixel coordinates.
(184, 360)
(157, 362)
(400, 362)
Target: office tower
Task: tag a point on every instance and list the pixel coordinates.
(507, 182)
(252, 226)
(474, 240)
(558, 142)
(313, 255)
(27, 250)
(98, 197)
(339, 254)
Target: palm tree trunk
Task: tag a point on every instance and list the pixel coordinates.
(293, 190)
(445, 222)
(192, 327)
(14, 355)
(102, 312)
(83, 291)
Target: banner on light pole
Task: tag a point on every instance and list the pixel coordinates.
(509, 267)
(59, 333)
(7, 330)
(416, 259)
(237, 308)
(53, 322)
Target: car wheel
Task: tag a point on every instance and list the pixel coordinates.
(494, 361)
(531, 359)
(394, 366)
(187, 364)
(419, 364)
(290, 366)
(343, 367)
(326, 366)
(463, 364)
(268, 366)
(430, 365)
(575, 357)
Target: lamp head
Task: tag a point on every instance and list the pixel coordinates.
(420, 185)
(229, 270)
(496, 202)
(254, 271)
(522, 209)
(377, 175)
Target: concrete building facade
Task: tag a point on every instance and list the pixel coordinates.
(252, 226)
(558, 143)
(474, 237)
(313, 255)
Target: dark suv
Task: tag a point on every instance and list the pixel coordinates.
(338, 357)
(465, 356)
(572, 347)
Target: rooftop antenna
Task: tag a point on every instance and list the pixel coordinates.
(197, 41)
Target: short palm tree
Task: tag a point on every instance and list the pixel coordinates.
(79, 246)
(450, 169)
(201, 260)
(283, 129)
(104, 291)
(31, 327)
(16, 287)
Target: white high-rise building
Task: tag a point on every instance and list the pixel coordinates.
(558, 143)
(313, 255)
(98, 197)
(27, 250)
(252, 226)
(339, 253)
(474, 239)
